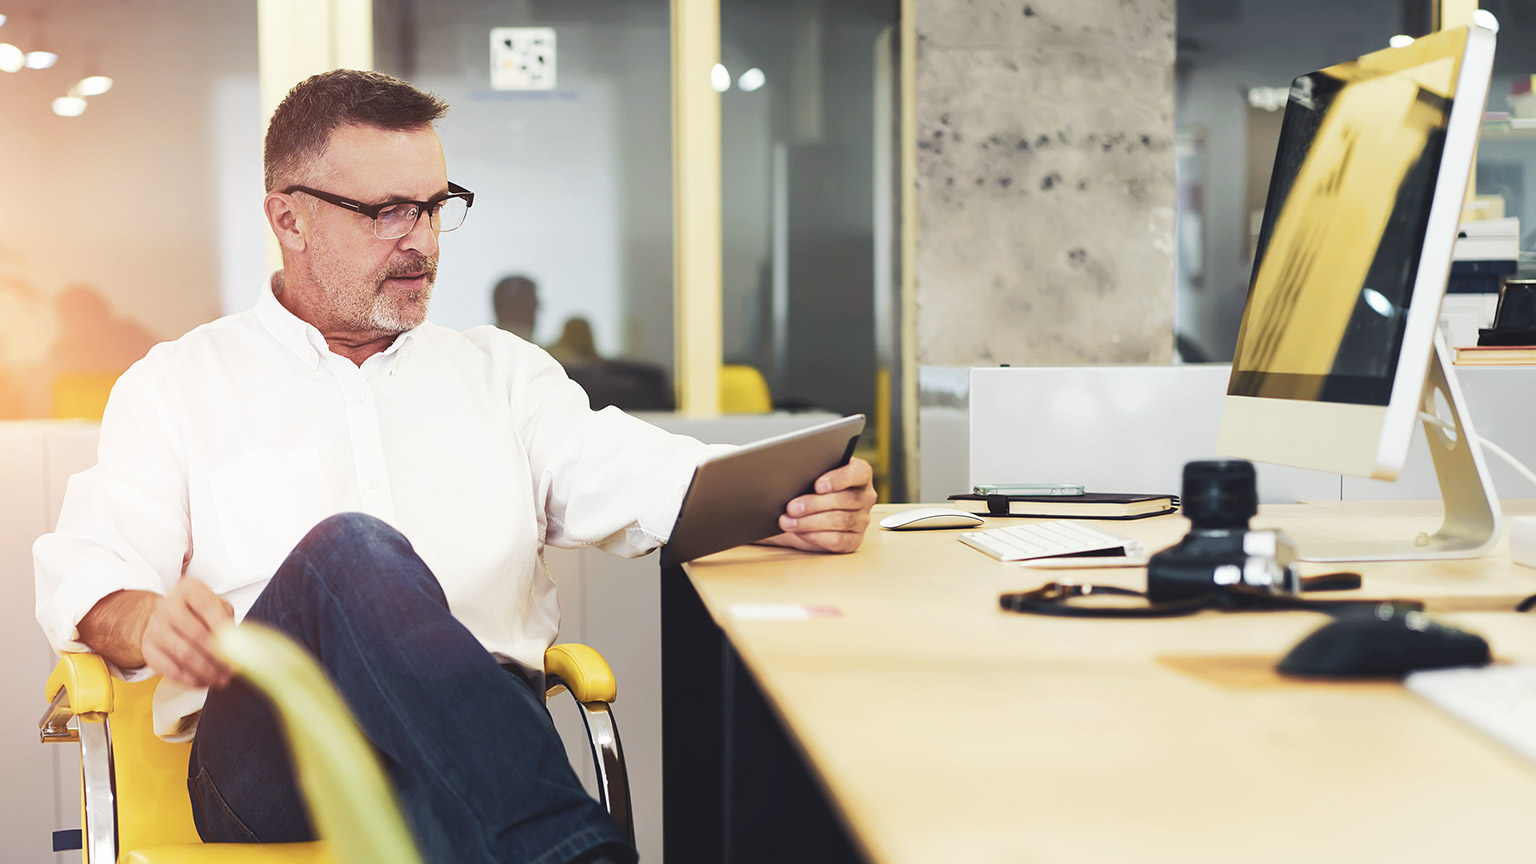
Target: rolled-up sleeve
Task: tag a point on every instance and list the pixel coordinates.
(124, 523)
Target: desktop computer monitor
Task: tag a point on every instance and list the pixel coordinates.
(1338, 352)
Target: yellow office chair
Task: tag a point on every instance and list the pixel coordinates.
(743, 390)
(82, 395)
(134, 793)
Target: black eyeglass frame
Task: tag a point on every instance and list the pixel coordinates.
(372, 211)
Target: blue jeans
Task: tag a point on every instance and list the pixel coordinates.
(469, 748)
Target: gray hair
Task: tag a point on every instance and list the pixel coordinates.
(301, 126)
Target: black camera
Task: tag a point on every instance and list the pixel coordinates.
(1220, 551)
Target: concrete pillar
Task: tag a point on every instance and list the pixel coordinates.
(1044, 181)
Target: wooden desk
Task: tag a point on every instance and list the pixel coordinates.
(943, 729)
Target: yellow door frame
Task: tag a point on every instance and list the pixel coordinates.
(696, 205)
(299, 38)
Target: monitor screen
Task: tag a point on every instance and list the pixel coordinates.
(1337, 360)
(1339, 248)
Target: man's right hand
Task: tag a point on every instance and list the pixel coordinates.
(173, 635)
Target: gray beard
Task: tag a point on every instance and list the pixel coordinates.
(384, 315)
(380, 311)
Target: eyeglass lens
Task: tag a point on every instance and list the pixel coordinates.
(399, 220)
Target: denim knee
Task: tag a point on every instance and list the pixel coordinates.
(356, 556)
(352, 529)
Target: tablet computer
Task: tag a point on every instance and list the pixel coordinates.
(737, 497)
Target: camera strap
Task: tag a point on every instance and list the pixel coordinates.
(1073, 600)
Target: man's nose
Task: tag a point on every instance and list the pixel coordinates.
(422, 238)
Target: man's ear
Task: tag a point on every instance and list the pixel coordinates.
(287, 220)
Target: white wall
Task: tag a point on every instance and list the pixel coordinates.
(41, 793)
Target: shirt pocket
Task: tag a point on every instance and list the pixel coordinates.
(266, 501)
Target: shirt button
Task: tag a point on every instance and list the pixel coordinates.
(374, 483)
(359, 398)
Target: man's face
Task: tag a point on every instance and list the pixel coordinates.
(369, 284)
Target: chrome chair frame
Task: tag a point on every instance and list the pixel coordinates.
(59, 725)
(607, 756)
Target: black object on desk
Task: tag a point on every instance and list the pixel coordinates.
(1514, 321)
(1089, 505)
(1078, 600)
(1388, 641)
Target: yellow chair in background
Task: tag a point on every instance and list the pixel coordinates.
(743, 390)
(134, 791)
(82, 395)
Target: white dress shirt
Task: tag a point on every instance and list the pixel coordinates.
(219, 451)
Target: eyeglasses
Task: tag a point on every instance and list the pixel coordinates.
(395, 219)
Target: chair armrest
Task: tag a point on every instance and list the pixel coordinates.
(582, 670)
(88, 683)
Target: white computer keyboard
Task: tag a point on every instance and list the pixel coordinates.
(1046, 540)
(1499, 701)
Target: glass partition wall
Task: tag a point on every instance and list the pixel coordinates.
(561, 125)
(1234, 64)
(572, 166)
(808, 116)
(166, 125)
(1506, 157)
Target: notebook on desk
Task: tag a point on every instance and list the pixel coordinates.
(1089, 505)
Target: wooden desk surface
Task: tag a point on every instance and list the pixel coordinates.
(948, 730)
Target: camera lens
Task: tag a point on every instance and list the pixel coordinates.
(1220, 493)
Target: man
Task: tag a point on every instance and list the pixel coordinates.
(380, 489)
(515, 300)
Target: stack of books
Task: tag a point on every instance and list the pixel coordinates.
(1496, 355)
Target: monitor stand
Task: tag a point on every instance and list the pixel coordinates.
(1473, 519)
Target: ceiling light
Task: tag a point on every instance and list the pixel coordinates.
(95, 85)
(719, 78)
(751, 79)
(11, 58)
(1401, 40)
(2, 19)
(69, 106)
(41, 59)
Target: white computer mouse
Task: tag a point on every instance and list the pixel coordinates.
(930, 517)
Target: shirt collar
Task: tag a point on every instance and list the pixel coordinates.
(288, 329)
(304, 339)
(393, 356)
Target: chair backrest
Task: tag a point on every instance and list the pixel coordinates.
(149, 774)
(743, 390)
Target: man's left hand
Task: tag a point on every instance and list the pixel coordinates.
(834, 517)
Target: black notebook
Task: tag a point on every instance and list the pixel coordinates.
(1089, 505)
